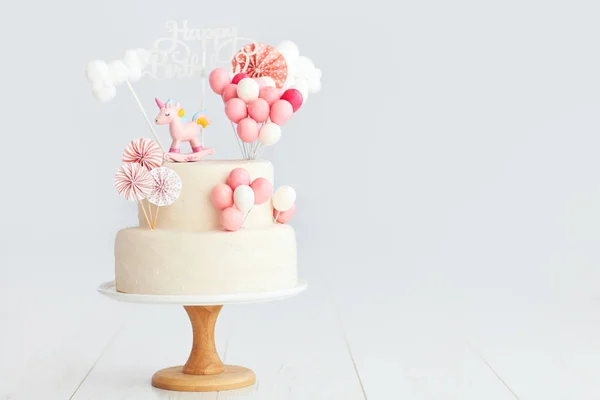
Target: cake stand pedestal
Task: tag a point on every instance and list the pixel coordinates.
(204, 371)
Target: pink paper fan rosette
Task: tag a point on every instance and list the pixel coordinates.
(166, 187)
(133, 181)
(261, 60)
(145, 152)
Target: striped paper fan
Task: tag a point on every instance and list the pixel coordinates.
(145, 152)
(133, 182)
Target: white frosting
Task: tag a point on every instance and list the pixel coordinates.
(167, 262)
(193, 210)
(189, 253)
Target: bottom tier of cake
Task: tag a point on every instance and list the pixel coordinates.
(185, 263)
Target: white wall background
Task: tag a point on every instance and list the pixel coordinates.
(453, 151)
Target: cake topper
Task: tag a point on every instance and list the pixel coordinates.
(183, 53)
(236, 198)
(270, 84)
(182, 131)
(284, 204)
(134, 183)
(165, 190)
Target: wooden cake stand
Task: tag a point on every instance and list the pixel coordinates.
(204, 371)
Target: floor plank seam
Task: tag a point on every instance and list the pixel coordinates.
(496, 374)
(108, 344)
(346, 341)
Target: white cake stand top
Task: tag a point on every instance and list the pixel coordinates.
(109, 289)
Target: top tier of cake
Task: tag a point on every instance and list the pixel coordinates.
(193, 210)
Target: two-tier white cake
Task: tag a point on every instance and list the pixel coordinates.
(189, 252)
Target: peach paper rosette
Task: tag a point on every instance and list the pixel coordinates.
(259, 60)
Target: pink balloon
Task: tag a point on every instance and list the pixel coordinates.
(270, 94)
(238, 77)
(247, 130)
(235, 109)
(263, 190)
(294, 97)
(218, 79)
(237, 177)
(284, 216)
(281, 111)
(260, 81)
(231, 219)
(221, 196)
(230, 92)
(258, 109)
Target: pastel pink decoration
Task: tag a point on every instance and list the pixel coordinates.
(238, 77)
(261, 60)
(258, 109)
(237, 177)
(294, 97)
(281, 111)
(133, 181)
(145, 152)
(284, 216)
(218, 79)
(261, 82)
(236, 109)
(229, 92)
(166, 188)
(270, 94)
(170, 113)
(263, 190)
(221, 196)
(231, 219)
(247, 130)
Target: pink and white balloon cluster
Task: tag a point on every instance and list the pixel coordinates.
(257, 107)
(236, 198)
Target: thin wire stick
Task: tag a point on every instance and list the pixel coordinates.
(155, 217)
(237, 139)
(246, 217)
(146, 215)
(145, 115)
(277, 216)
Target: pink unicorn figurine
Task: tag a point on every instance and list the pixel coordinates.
(182, 131)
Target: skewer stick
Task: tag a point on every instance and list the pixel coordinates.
(146, 215)
(145, 115)
(155, 217)
(277, 216)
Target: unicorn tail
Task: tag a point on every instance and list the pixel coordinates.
(201, 119)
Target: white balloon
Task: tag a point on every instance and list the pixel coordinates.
(117, 72)
(269, 134)
(290, 52)
(106, 94)
(247, 89)
(304, 67)
(268, 81)
(284, 198)
(96, 70)
(243, 198)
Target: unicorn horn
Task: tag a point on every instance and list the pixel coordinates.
(159, 103)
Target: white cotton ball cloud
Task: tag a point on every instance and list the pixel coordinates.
(302, 73)
(136, 60)
(104, 77)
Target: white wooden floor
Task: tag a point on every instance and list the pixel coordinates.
(347, 342)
